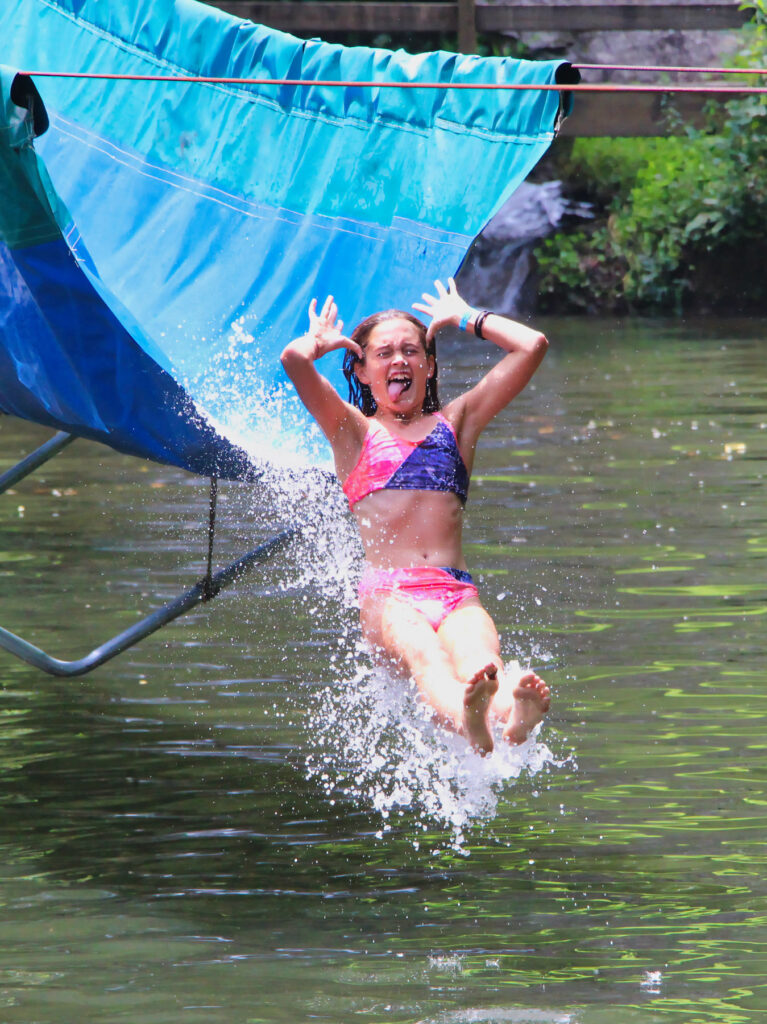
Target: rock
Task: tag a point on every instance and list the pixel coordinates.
(498, 271)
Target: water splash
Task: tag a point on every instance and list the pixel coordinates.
(267, 420)
(373, 742)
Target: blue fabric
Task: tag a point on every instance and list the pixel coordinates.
(435, 465)
(42, 378)
(459, 574)
(204, 218)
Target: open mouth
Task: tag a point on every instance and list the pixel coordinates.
(397, 386)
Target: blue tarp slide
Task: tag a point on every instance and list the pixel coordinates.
(160, 242)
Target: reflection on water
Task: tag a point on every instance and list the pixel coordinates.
(239, 820)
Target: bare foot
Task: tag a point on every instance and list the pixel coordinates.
(480, 690)
(531, 702)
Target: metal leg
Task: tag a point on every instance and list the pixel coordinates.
(208, 587)
(203, 591)
(35, 459)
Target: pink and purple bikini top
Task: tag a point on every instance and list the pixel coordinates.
(389, 463)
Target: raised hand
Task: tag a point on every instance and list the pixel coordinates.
(447, 307)
(326, 331)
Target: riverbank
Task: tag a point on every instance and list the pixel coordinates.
(675, 222)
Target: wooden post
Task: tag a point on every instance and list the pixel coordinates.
(467, 29)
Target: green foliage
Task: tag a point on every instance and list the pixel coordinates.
(604, 167)
(754, 33)
(579, 272)
(666, 209)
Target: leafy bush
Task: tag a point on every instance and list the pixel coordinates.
(665, 209)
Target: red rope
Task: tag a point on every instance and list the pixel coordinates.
(674, 69)
(506, 86)
(670, 68)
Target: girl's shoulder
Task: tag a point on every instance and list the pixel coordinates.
(349, 440)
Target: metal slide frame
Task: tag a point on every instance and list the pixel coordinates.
(205, 590)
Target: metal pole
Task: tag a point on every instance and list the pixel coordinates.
(35, 459)
(200, 592)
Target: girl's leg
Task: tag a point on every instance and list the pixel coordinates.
(407, 638)
(471, 640)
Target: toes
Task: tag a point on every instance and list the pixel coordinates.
(531, 681)
(488, 672)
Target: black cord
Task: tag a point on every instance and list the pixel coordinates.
(207, 582)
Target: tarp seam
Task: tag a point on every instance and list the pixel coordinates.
(240, 203)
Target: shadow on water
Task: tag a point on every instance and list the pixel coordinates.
(202, 828)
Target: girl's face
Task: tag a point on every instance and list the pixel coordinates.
(396, 367)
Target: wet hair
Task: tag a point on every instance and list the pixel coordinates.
(359, 393)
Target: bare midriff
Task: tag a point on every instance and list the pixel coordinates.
(402, 529)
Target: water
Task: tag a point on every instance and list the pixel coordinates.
(240, 821)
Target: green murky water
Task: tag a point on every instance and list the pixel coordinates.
(228, 825)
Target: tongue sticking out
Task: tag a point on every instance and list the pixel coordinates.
(396, 387)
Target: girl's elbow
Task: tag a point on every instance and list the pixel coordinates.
(296, 354)
(540, 345)
(289, 358)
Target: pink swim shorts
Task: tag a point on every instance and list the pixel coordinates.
(433, 591)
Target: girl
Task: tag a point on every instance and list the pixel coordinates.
(405, 465)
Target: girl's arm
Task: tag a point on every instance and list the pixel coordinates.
(525, 349)
(318, 395)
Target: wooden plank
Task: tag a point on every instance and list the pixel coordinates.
(580, 16)
(316, 16)
(630, 115)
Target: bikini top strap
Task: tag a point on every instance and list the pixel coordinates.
(446, 421)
